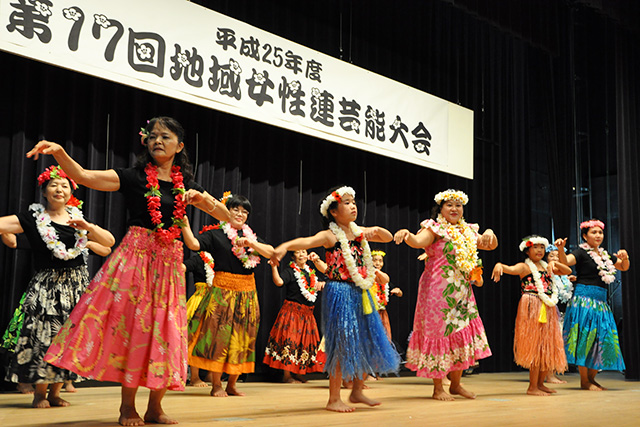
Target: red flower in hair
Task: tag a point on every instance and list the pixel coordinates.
(529, 243)
(337, 196)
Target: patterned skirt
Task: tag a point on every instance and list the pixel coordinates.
(194, 301)
(223, 330)
(590, 332)
(538, 344)
(130, 325)
(46, 305)
(12, 333)
(294, 340)
(356, 343)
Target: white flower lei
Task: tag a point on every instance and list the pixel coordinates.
(302, 283)
(248, 258)
(208, 269)
(50, 235)
(361, 282)
(465, 242)
(550, 302)
(566, 289)
(606, 269)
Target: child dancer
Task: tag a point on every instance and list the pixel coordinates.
(355, 340)
(590, 333)
(294, 339)
(447, 320)
(382, 291)
(537, 343)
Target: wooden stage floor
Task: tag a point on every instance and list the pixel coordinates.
(405, 402)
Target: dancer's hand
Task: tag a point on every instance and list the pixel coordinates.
(44, 147)
(396, 291)
(560, 244)
(313, 257)
(320, 286)
(401, 236)
(622, 255)
(192, 197)
(496, 274)
(79, 224)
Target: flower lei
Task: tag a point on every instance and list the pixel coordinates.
(464, 241)
(565, 290)
(361, 282)
(50, 235)
(247, 257)
(548, 301)
(307, 287)
(153, 202)
(208, 266)
(606, 269)
(382, 294)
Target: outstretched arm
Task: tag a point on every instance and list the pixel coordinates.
(207, 203)
(263, 249)
(103, 180)
(377, 234)
(10, 224)
(520, 269)
(424, 238)
(558, 268)
(323, 238)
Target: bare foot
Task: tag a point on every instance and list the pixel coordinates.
(233, 391)
(25, 388)
(197, 383)
(590, 386)
(57, 401)
(594, 382)
(442, 395)
(129, 417)
(552, 379)
(446, 381)
(462, 392)
(300, 378)
(218, 391)
(339, 406)
(547, 389)
(40, 401)
(69, 387)
(537, 392)
(359, 397)
(347, 384)
(290, 380)
(158, 418)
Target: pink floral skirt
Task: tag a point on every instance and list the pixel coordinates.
(130, 325)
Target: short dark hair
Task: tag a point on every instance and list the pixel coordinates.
(239, 200)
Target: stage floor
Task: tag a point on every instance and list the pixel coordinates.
(405, 401)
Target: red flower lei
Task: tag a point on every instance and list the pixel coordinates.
(382, 294)
(307, 286)
(153, 202)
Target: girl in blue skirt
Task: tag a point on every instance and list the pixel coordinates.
(590, 333)
(356, 343)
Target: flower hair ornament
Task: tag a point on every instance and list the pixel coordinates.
(455, 195)
(378, 252)
(335, 196)
(55, 172)
(144, 133)
(552, 248)
(528, 242)
(592, 223)
(225, 197)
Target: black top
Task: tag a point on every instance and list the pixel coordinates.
(292, 289)
(133, 185)
(587, 269)
(41, 255)
(219, 246)
(195, 265)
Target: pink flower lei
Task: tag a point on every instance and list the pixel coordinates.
(307, 287)
(606, 269)
(247, 257)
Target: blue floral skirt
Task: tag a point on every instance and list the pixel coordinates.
(355, 343)
(590, 332)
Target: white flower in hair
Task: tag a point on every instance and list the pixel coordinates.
(455, 195)
(335, 196)
(528, 242)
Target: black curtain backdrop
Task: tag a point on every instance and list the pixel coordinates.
(509, 66)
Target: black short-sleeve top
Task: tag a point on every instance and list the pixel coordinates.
(133, 185)
(195, 265)
(587, 269)
(292, 289)
(217, 243)
(42, 257)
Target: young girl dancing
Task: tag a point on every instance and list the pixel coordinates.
(294, 339)
(590, 333)
(537, 343)
(447, 321)
(130, 325)
(381, 288)
(355, 341)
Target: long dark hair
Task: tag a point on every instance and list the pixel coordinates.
(181, 159)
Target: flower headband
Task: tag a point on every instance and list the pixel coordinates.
(455, 195)
(55, 172)
(592, 223)
(335, 196)
(377, 252)
(528, 242)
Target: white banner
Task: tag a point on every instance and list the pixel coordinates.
(188, 52)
